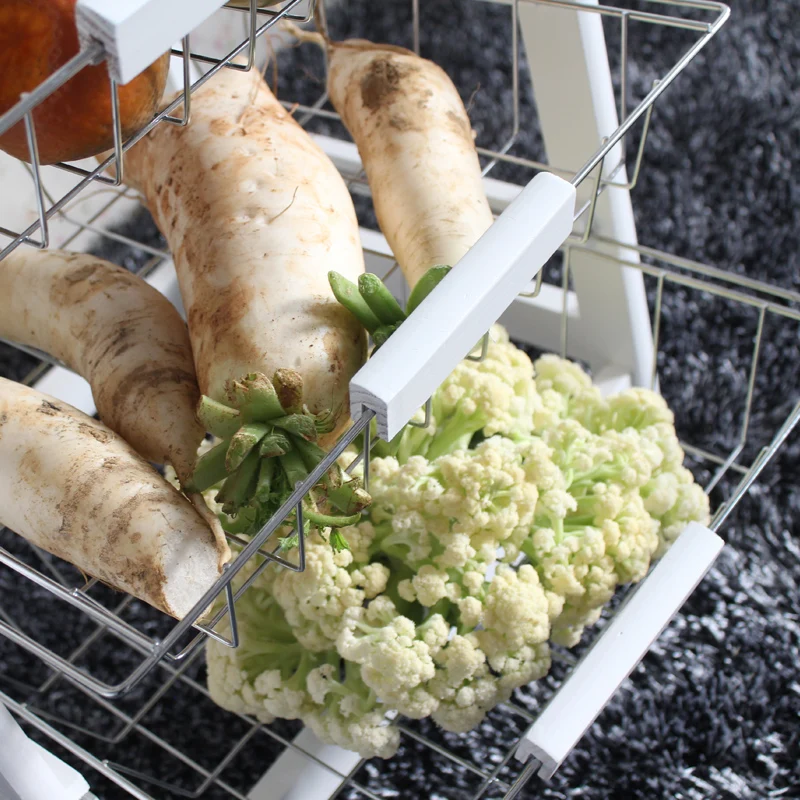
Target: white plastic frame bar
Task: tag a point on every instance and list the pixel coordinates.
(619, 648)
(29, 772)
(612, 329)
(448, 324)
(135, 33)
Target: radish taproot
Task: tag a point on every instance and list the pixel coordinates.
(73, 487)
(122, 335)
(256, 215)
(417, 147)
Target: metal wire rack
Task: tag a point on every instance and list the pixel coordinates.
(161, 660)
(108, 735)
(183, 638)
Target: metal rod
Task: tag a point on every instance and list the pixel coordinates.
(428, 414)
(637, 166)
(656, 330)
(522, 779)
(764, 457)
(723, 468)
(30, 100)
(623, 70)
(596, 192)
(33, 151)
(703, 269)
(705, 455)
(183, 120)
(565, 298)
(415, 25)
(483, 353)
(76, 599)
(654, 93)
(442, 751)
(637, 16)
(116, 128)
(692, 283)
(751, 384)
(367, 454)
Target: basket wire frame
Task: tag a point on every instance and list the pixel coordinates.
(670, 273)
(160, 655)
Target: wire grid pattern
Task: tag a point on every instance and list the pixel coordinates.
(176, 669)
(123, 728)
(174, 645)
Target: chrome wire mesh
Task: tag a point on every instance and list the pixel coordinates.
(135, 707)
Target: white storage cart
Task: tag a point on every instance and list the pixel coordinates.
(572, 213)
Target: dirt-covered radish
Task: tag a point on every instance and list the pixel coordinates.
(256, 215)
(418, 151)
(119, 333)
(73, 487)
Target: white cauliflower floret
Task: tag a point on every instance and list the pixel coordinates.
(515, 611)
(519, 668)
(228, 683)
(369, 735)
(565, 391)
(433, 611)
(455, 509)
(315, 600)
(494, 396)
(394, 663)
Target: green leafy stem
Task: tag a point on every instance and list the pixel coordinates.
(374, 306)
(269, 446)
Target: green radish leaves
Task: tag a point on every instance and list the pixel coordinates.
(269, 447)
(374, 306)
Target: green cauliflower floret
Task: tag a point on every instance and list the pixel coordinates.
(496, 395)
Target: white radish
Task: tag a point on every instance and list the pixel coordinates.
(71, 486)
(255, 215)
(418, 151)
(119, 333)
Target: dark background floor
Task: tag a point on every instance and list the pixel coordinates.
(714, 711)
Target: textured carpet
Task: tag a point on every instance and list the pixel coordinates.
(714, 710)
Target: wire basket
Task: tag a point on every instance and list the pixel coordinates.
(157, 664)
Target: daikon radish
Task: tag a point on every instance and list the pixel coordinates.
(119, 333)
(418, 150)
(256, 215)
(73, 487)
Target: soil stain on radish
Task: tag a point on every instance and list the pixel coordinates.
(382, 82)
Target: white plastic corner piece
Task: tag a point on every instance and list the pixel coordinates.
(134, 33)
(618, 650)
(450, 322)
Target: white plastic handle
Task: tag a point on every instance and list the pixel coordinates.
(29, 772)
(452, 319)
(626, 640)
(135, 33)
